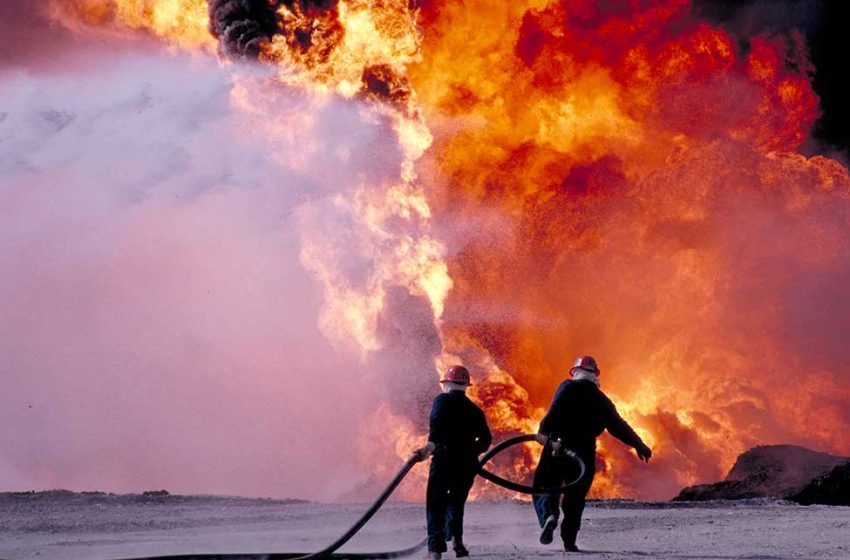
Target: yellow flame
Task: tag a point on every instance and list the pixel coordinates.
(181, 22)
(373, 33)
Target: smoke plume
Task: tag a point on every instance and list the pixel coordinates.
(243, 26)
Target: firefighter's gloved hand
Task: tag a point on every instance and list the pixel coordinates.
(425, 451)
(643, 452)
(541, 438)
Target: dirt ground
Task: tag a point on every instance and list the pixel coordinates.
(99, 527)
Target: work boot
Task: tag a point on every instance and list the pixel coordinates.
(434, 555)
(548, 529)
(570, 548)
(460, 550)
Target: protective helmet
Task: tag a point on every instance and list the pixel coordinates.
(457, 374)
(586, 363)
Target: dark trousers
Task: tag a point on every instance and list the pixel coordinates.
(557, 471)
(449, 482)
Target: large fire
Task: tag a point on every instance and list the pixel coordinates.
(615, 178)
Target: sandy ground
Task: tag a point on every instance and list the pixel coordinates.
(75, 527)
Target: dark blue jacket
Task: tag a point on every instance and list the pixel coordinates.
(579, 413)
(458, 428)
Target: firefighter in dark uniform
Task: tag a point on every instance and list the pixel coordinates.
(458, 434)
(579, 413)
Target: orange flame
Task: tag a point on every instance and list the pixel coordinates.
(359, 41)
(610, 145)
(181, 22)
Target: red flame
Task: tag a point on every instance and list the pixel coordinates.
(631, 180)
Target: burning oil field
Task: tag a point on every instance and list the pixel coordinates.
(240, 240)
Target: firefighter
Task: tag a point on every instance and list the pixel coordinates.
(579, 413)
(458, 434)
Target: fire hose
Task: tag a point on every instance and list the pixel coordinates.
(522, 488)
(330, 550)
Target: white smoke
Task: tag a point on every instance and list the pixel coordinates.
(157, 327)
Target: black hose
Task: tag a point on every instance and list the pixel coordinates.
(522, 488)
(289, 555)
(325, 552)
(330, 550)
(496, 479)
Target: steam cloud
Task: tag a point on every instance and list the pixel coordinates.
(158, 327)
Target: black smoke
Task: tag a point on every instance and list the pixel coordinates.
(824, 25)
(243, 26)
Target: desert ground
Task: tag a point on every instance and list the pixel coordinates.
(64, 526)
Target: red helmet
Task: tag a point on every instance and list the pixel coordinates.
(587, 363)
(456, 374)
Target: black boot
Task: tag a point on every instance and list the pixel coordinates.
(460, 550)
(569, 535)
(548, 529)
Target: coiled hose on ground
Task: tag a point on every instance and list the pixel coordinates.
(330, 550)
